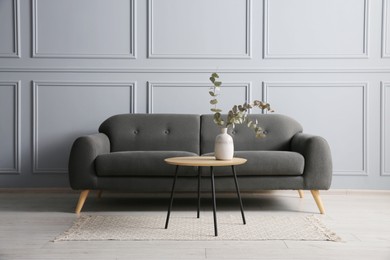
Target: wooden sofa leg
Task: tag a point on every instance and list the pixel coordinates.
(82, 198)
(317, 198)
(301, 195)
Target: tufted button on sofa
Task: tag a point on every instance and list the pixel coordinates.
(128, 155)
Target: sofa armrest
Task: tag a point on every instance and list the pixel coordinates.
(85, 149)
(318, 160)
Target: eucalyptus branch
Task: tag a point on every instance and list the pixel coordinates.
(238, 114)
(214, 101)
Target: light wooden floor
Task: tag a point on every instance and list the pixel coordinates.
(29, 221)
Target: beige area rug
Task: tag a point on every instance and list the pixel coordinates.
(230, 227)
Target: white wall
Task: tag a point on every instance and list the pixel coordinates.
(65, 66)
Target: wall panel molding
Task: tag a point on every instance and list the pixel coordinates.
(37, 85)
(241, 70)
(16, 125)
(247, 54)
(204, 86)
(38, 53)
(385, 137)
(268, 54)
(310, 86)
(385, 27)
(16, 32)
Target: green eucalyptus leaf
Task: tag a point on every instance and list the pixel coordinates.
(256, 103)
(216, 110)
(215, 75)
(247, 106)
(217, 83)
(212, 93)
(260, 134)
(213, 101)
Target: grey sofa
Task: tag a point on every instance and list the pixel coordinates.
(128, 155)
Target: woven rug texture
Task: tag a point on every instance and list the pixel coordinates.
(230, 227)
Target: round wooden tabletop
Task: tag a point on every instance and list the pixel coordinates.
(203, 161)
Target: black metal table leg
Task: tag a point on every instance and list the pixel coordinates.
(199, 180)
(238, 194)
(214, 201)
(171, 201)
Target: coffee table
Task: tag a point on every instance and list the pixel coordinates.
(205, 161)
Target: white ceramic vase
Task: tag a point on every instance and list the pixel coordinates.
(224, 146)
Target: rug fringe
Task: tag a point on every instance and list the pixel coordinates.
(332, 236)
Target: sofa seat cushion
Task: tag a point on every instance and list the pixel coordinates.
(267, 163)
(140, 163)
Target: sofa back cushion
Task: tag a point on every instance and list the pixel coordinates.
(153, 132)
(278, 128)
